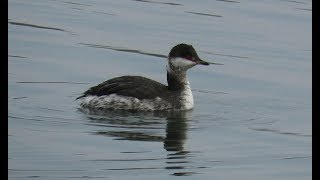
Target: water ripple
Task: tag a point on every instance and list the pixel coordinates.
(55, 82)
(73, 3)
(208, 91)
(296, 157)
(306, 9)
(123, 50)
(100, 12)
(133, 136)
(36, 26)
(280, 132)
(22, 97)
(167, 3)
(228, 55)
(16, 56)
(129, 160)
(298, 2)
(184, 173)
(129, 169)
(230, 1)
(203, 14)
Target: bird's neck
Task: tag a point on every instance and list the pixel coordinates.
(177, 78)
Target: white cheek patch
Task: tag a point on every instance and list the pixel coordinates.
(182, 62)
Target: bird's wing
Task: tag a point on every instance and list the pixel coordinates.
(133, 86)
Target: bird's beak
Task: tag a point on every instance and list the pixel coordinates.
(202, 62)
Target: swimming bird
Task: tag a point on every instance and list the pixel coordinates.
(139, 93)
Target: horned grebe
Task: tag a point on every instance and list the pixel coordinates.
(142, 94)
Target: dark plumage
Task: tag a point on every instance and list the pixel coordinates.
(133, 86)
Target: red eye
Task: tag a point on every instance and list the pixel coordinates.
(189, 57)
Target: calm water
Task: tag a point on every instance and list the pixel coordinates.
(252, 115)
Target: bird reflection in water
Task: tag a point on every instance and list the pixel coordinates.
(176, 131)
(143, 126)
(148, 126)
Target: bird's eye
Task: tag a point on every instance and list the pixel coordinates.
(189, 57)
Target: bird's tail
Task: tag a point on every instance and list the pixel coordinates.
(80, 97)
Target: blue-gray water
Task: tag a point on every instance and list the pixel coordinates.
(252, 115)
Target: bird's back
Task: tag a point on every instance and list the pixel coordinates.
(132, 86)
